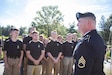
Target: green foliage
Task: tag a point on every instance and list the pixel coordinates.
(22, 30)
(48, 19)
(105, 28)
(5, 30)
(72, 28)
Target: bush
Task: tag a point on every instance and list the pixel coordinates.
(1, 57)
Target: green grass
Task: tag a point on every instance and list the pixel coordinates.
(1, 57)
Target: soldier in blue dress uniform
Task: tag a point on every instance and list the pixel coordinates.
(90, 50)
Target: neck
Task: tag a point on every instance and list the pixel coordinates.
(54, 39)
(35, 40)
(14, 39)
(69, 41)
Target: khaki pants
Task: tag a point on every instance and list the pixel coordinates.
(25, 65)
(51, 65)
(12, 70)
(44, 67)
(67, 65)
(34, 70)
(61, 66)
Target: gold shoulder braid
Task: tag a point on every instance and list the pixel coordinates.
(81, 62)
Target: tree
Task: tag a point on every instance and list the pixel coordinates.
(109, 24)
(22, 30)
(1, 30)
(5, 30)
(48, 19)
(105, 26)
(72, 28)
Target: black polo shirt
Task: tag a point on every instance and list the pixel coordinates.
(54, 48)
(35, 49)
(68, 49)
(13, 48)
(26, 40)
(75, 42)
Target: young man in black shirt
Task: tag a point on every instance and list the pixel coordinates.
(60, 40)
(25, 42)
(68, 47)
(35, 53)
(74, 38)
(13, 54)
(54, 53)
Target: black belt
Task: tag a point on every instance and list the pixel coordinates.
(13, 57)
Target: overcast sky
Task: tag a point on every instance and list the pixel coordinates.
(21, 12)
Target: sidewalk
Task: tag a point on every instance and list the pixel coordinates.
(106, 67)
(1, 67)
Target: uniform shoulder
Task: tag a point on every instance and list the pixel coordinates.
(30, 41)
(19, 41)
(26, 37)
(41, 42)
(64, 42)
(7, 40)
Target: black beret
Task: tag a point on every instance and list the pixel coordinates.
(87, 14)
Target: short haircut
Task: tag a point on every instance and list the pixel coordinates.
(53, 31)
(35, 32)
(14, 29)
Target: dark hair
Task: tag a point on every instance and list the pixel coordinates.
(14, 29)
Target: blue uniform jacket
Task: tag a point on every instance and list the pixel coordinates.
(89, 55)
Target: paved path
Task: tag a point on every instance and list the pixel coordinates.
(106, 68)
(1, 68)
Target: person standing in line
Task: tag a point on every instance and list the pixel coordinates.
(44, 61)
(25, 42)
(68, 48)
(13, 54)
(90, 50)
(54, 53)
(41, 38)
(60, 40)
(35, 53)
(74, 38)
(4, 43)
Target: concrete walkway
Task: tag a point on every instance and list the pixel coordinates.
(1, 68)
(106, 68)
